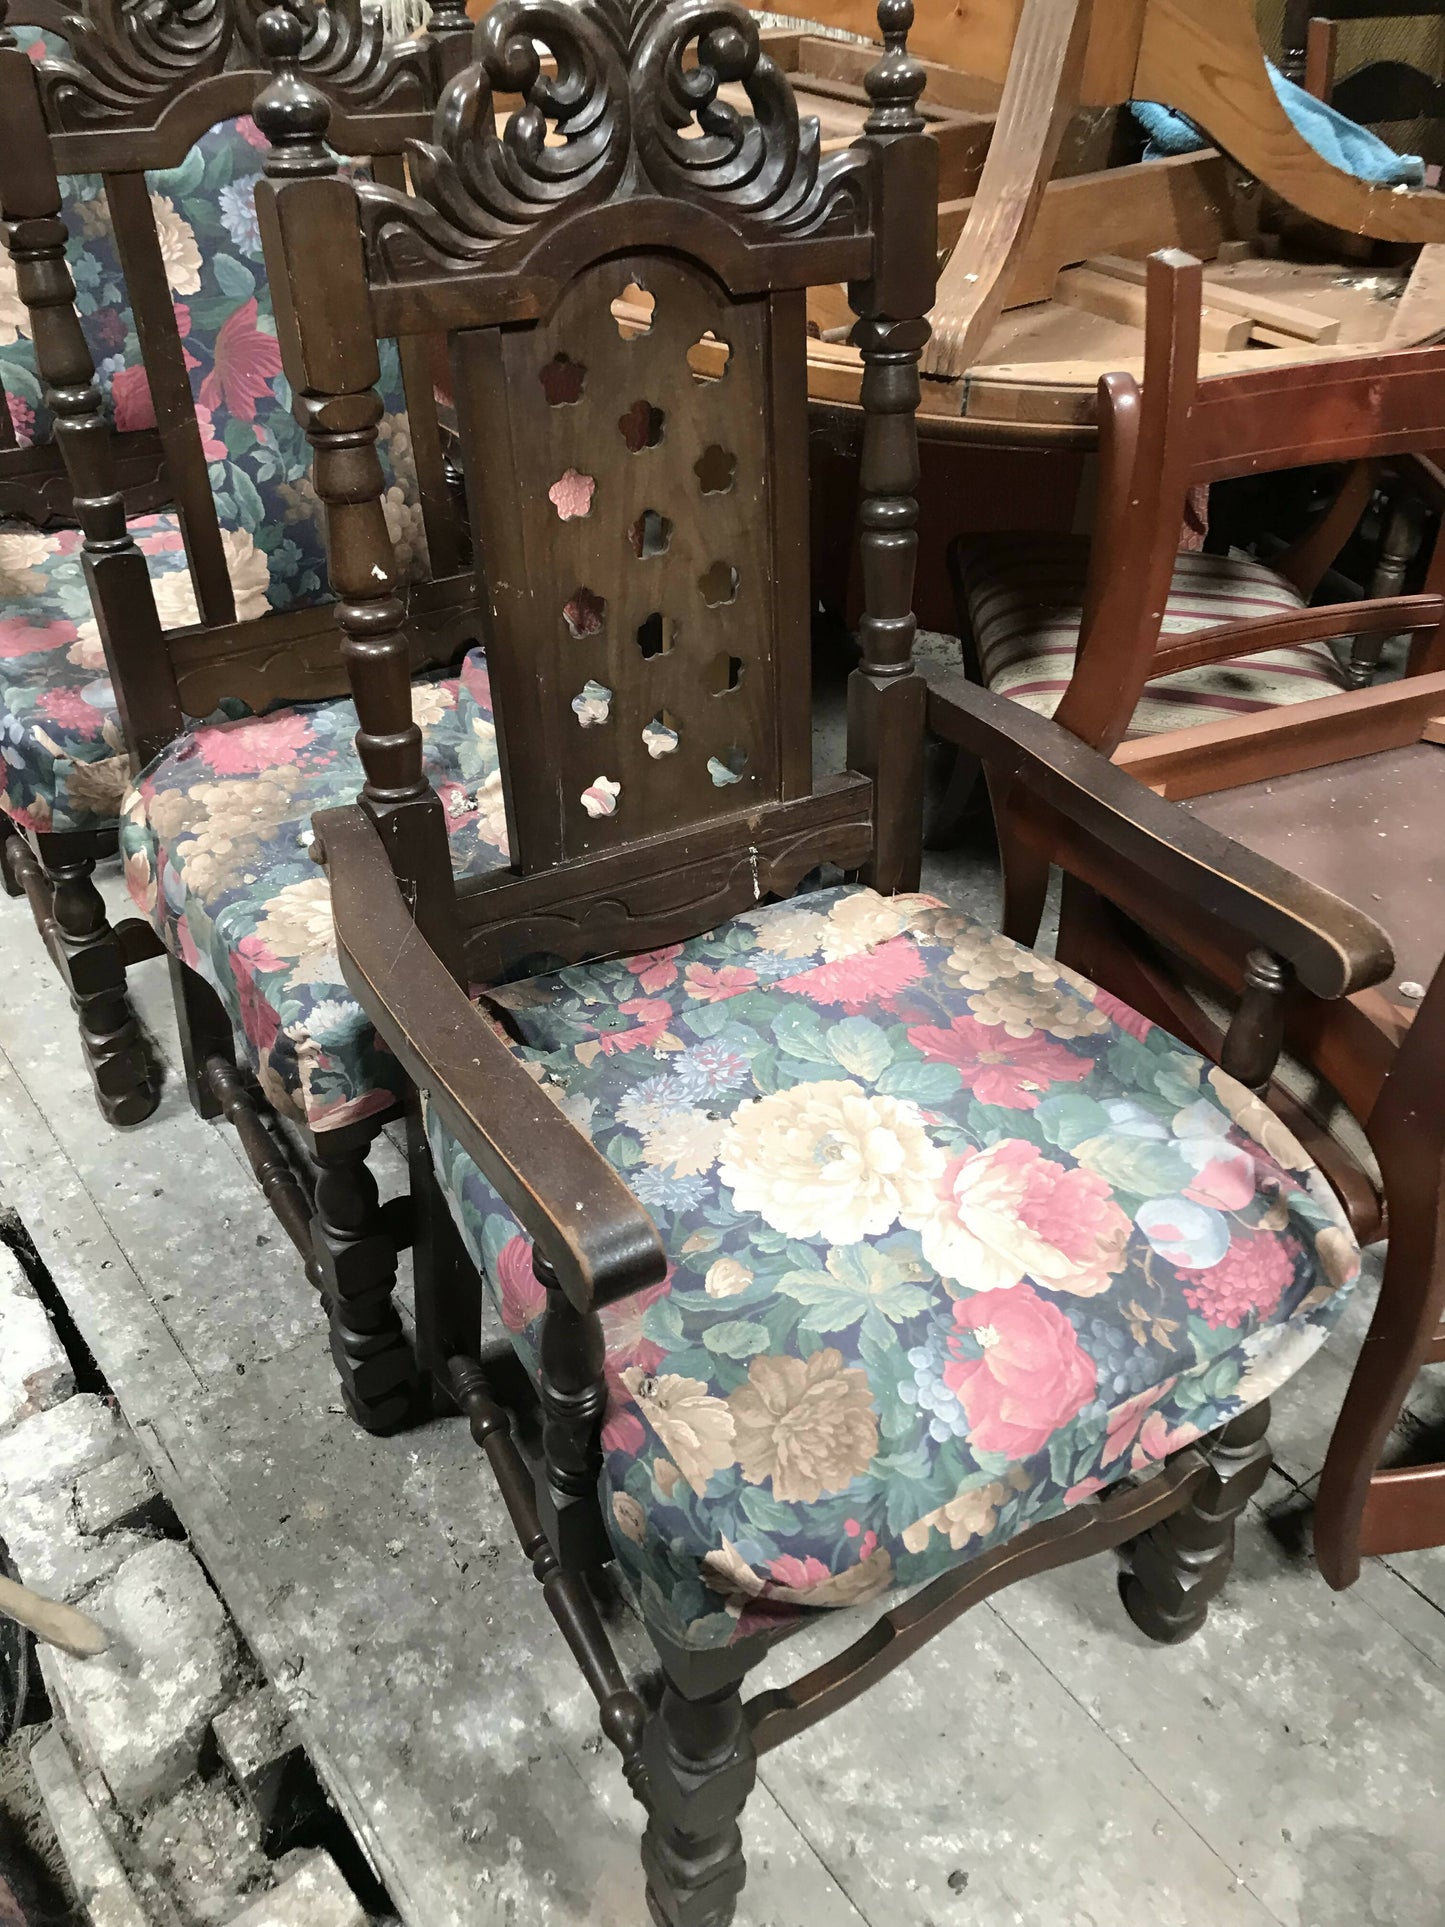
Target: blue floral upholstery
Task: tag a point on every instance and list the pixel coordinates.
(62, 757)
(216, 837)
(956, 1240)
(59, 725)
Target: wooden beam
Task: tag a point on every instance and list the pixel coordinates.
(1183, 202)
(1281, 742)
(1116, 299)
(1281, 317)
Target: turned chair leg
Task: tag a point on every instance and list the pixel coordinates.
(1179, 1566)
(354, 1265)
(88, 955)
(700, 1766)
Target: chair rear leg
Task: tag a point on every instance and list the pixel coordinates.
(354, 1264)
(205, 1032)
(698, 1756)
(1179, 1566)
(10, 842)
(88, 955)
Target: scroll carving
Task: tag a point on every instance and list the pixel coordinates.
(625, 114)
(129, 59)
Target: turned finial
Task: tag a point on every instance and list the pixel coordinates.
(895, 80)
(290, 112)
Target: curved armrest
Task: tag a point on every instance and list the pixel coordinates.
(586, 1223)
(1334, 949)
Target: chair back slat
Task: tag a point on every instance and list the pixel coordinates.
(138, 244)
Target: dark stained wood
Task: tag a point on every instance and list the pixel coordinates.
(1179, 1565)
(135, 94)
(783, 1712)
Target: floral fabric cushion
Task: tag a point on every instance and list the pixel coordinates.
(956, 1241)
(63, 764)
(1025, 600)
(259, 460)
(216, 840)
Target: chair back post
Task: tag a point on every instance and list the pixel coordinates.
(115, 569)
(305, 207)
(1131, 570)
(886, 696)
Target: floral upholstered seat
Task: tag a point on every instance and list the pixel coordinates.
(216, 839)
(64, 762)
(1025, 601)
(956, 1240)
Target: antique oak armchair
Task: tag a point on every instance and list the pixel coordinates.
(113, 638)
(847, 1246)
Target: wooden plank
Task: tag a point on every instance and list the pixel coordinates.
(1119, 300)
(1405, 1510)
(1281, 742)
(1283, 317)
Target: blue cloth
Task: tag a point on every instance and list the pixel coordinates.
(1344, 144)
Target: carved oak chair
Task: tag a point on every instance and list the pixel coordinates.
(114, 637)
(847, 1245)
(216, 829)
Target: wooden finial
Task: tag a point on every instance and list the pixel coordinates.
(290, 112)
(895, 80)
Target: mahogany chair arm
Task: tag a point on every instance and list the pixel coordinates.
(1332, 948)
(572, 1203)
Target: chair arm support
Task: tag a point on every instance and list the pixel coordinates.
(1333, 948)
(575, 1206)
(1391, 616)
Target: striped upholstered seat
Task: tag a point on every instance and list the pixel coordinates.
(1025, 595)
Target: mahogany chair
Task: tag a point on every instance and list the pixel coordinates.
(1195, 639)
(844, 1243)
(1346, 791)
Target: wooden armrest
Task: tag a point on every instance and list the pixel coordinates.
(1334, 949)
(586, 1223)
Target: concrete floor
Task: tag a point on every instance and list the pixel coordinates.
(1040, 1765)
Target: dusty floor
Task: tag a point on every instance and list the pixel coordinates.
(1040, 1765)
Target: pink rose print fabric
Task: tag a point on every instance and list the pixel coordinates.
(957, 1242)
